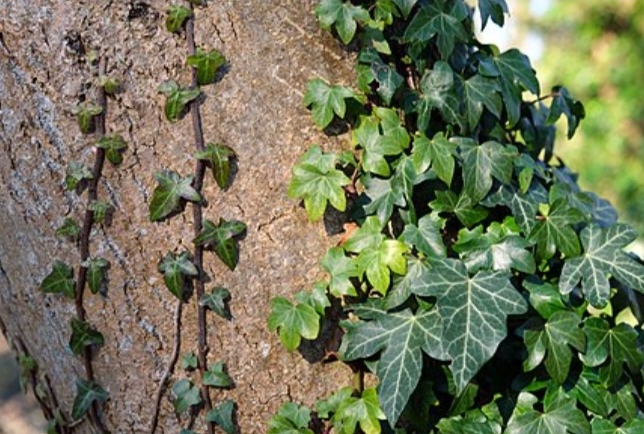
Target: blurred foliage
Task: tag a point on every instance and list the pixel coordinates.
(596, 49)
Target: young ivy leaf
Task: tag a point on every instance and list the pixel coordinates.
(563, 103)
(110, 85)
(438, 153)
(219, 157)
(479, 92)
(223, 416)
(177, 270)
(85, 114)
(554, 230)
(482, 164)
(177, 99)
(326, 100)
(189, 361)
(293, 322)
(87, 392)
(216, 376)
(96, 268)
(342, 269)
(114, 147)
(221, 238)
(168, 195)
(177, 16)
(364, 411)
(426, 236)
(290, 419)
(83, 335)
(186, 395)
(462, 206)
(443, 20)
(216, 302)
(316, 180)
(76, 174)
(69, 229)
(317, 298)
(207, 63)
(343, 14)
(437, 92)
(59, 281)
(100, 210)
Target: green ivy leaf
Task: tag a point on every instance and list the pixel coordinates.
(222, 238)
(96, 268)
(169, 194)
(76, 174)
(114, 147)
(83, 335)
(553, 343)
(479, 92)
(402, 337)
(443, 19)
(438, 153)
(207, 63)
(603, 426)
(545, 298)
(177, 16)
(216, 376)
(293, 322)
(186, 395)
(69, 229)
(189, 361)
(524, 206)
(177, 99)
(405, 6)
(474, 310)
(343, 15)
(590, 394)
(316, 180)
(611, 348)
(437, 92)
(388, 80)
(554, 230)
(316, 298)
(222, 416)
(426, 236)
(100, 210)
(59, 281)
(603, 256)
(290, 419)
(219, 157)
(483, 163)
(326, 100)
(364, 411)
(177, 271)
(563, 103)
(85, 114)
(462, 206)
(457, 425)
(216, 302)
(384, 194)
(86, 393)
(495, 9)
(110, 85)
(342, 269)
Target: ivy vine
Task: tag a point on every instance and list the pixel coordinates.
(479, 284)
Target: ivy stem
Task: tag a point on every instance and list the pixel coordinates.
(88, 221)
(197, 217)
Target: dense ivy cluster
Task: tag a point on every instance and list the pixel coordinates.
(481, 286)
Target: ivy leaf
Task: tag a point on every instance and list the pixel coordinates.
(426, 236)
(222, 416)
(59, 281)
(437, 92)
(76, 174)
(482, 163)
(495, 9)
(437, 152)
(293, 322)
(316, 298)
(218, 156)
(96, 268)
(603, 256)
(618, 343)
(376, 262)
(177, 16)
(443, 19)
(364, 411)
(374, 148)
(553, 342)
(604, 426)
(114, 147)
(216, 302)
(69, 229)
(524, 206)
(405, 6)
(466, 426)
(474, 310)
(402, 337)
(177, 99)
(216, 376)
(189, 361)
(384, 194)
(207, 63)
(85, 114)
(221, 238)
(563, 103)
(462, 206)
(343, 14)
(100, 210)
(342, 269)
(168, 195)
(177, 271)
(326, 100)
(186, 395)
(388, 80)
(316, 180)
(590, 394)
(86, 393)
(545, 298)
(290, 419)
(479, 92)
(83, 335)
(560, 416)
(554, 231)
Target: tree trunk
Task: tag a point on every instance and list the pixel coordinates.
(273, 47)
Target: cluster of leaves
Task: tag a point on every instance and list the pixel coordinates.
(485, 290)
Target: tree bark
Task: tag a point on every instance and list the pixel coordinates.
(273, 47)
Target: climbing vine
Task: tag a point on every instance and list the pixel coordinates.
(183, 271)
(481, 289)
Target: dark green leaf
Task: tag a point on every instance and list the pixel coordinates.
(405, 6)
(438, 152)
(222, 416)
(603, 426)
(169, 194)
(426, 237)
(207, 63)
(479, 92)
(482, 163)
(86, 393)
(293, 322)
(177, 16)
(343, 14)
(290, 419)
(69, 229)
(495, 9)
(96, 268)
(59, 281)
(326, 100)
(437, 92)
(76, 173)
(363, 411)
(563, 103)
(384, 195)
(83, 335)
(186, 395)
(219, 157)
(593, 396)
(554, 230)
(442, 19)
(216, 376)
(114, 147)
(524, 206)
(545, 298)
(222, 239)
(177, 99)
(462, 206)
(388, 80)
(177, 270)
(216, 302)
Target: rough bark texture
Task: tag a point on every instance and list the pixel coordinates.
(273, 47)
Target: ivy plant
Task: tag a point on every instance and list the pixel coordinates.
(479, 284)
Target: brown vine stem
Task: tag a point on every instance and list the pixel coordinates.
(197, 217)
(88, 221)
